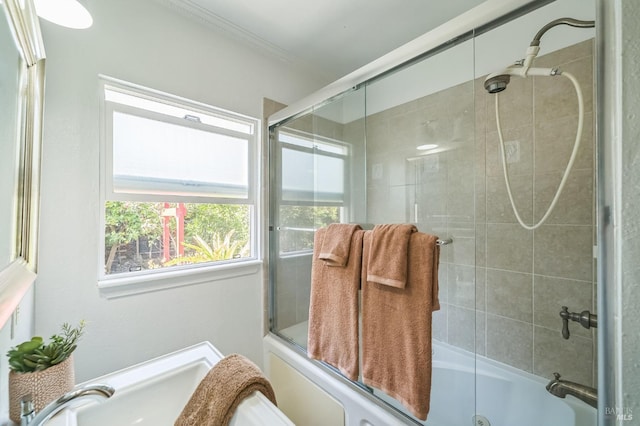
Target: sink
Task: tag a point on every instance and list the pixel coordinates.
(155, 392)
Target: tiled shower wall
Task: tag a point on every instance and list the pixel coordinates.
(502, 287)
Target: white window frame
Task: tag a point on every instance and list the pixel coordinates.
(125, 284)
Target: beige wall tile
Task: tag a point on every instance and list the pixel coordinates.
(443, 282)
(439, 327)
(510, 294)
(521, 163)
(302, 304)
(572, 358)
(556, 97)
(576, 203)
(462, 252)
(285, 307)
(481, 244)
(462, 286)
(481, 289)
(460, 205)
(509, 247)
(326, 128)
(499, 208)
(378, 134)
(555, 140)
(564, 251)
(462, 331)
(481, 333)
(510, 341)
(481, 197)
(567, 54)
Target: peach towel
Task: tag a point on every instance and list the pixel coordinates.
(224, 387)
(337, 243)
(388, 255)
(333, 308)
(396, 327)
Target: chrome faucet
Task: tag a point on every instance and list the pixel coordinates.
(29, 417)
(562, 388)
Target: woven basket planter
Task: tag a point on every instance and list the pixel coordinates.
(44, 386)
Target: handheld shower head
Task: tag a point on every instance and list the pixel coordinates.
(496, 83)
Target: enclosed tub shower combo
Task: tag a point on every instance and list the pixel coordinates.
(481, 134)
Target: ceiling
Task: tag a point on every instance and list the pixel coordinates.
(334, 37)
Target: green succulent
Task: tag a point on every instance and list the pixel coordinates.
(35, 355)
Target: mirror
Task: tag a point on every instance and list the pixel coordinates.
(10, 99)
(21, 96)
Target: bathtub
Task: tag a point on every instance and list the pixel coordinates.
(466, 390)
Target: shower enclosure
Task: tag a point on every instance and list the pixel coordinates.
(419, 144)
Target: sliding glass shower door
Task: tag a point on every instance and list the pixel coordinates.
(318, 178)
(419, 144)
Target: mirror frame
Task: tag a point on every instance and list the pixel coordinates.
(19, 275)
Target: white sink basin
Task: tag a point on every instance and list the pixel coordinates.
(156, 391)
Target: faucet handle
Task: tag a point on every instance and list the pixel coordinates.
(585, 318)
(556, 375)
(565, 315)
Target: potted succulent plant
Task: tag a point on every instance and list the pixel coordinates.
(44, 370)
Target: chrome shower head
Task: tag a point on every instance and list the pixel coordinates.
(496, 83)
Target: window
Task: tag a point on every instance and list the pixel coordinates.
(313, 172)
(178, 183)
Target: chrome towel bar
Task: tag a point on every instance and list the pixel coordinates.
(439, 242)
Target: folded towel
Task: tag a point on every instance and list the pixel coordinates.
(333, 308)
(337, 243)
(388, 255)
(224, 387)
(396, 327)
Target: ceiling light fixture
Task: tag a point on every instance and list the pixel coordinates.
(68, 13)
(427, 146)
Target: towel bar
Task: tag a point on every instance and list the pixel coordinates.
(444, 242)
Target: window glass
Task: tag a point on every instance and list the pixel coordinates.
(151, 236)
(312, 170)
(313, 173)
(177, 183)
(308, 176)
(157, 157)
(299, 224)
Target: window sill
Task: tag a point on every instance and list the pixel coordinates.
(112, 288)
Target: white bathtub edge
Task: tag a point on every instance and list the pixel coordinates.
(358, 408)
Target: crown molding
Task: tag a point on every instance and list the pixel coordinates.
(205, 16)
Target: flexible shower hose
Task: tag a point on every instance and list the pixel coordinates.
(565, 176)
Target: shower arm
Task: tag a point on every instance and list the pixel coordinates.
(562, 21)
(534, 46)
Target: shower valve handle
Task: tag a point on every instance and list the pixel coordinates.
(585, 318)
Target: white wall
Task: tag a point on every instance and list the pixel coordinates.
(145, 43)
(17, 329)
